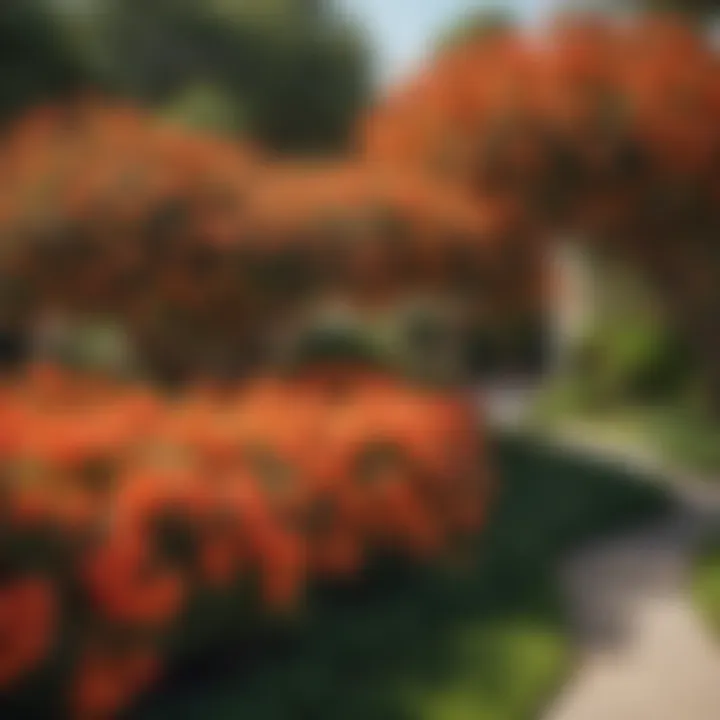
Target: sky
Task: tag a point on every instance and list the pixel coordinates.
(401, 30)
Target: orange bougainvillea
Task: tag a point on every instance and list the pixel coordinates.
(128, 585)
(28, 627)
(261, 489)
(593, 128)
(108, 679)
(196, 246)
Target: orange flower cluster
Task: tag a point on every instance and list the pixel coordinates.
(604, 130)
(133, 504)
(106, 210)
(576, 104)
(28, 622)
(196, 245)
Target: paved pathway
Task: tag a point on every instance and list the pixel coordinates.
(643, 653)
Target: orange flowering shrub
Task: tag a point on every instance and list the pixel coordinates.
(28, 624)
(197, 247)
(121, 507)
(109, 678)
(107, 211)
(572, 106)
(608, 131)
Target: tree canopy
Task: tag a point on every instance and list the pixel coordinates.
(36, 63)
(291, 73)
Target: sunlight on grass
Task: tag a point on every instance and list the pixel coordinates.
(688, 440)
(684, 438)
(504, 671)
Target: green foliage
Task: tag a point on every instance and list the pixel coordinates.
(631, 353)
(36, 63)
(417, 340)
(206, 108)
(630, 360)
(688, 439)
(701, 9)
(477, 26)
(292, 74)
(484, 640)
(340, 343)
(706, 583)
(521, 346)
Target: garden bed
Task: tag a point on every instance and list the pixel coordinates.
(487, 640)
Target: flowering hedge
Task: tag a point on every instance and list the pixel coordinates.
(198, 248)
(605, 131)
(121, 508)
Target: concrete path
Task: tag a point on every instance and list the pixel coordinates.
(643, 653)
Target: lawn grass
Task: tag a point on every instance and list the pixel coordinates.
(685, 441)
(488, 642)
(688, 440)
(682, 436)
(706, 584)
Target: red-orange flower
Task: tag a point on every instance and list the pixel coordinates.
(28, 625)
(109, 680)
(126, 584)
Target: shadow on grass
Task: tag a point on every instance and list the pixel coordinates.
(485, 643)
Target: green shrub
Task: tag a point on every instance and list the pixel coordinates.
(706, 583)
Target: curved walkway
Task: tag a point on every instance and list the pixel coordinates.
(643, 653)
